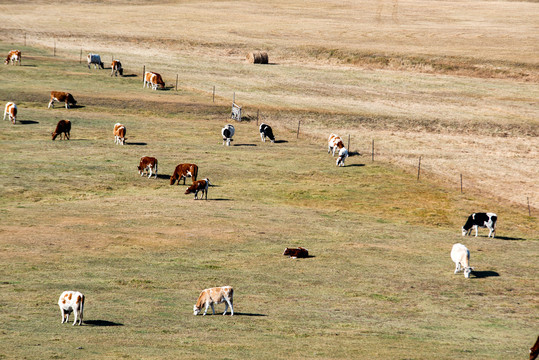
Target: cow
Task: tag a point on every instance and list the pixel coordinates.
(119, 134)
(153, 79)
(227, 132)
(343, 154)
(147, 164)
(59, 96)
(298, 252)
(11, 112)
(484, 220)
(95, 59)
(534, 350)
(184, 171)
(63, 127)
(461, 257)
(71, 301)
(116, 66)
(334, 143)
(199, 185)
(265, 131)
(14, 56)
(216, 295)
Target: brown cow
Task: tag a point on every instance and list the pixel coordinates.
(296, 252)
(147, 164)
(199, 185)
(13, 56)
(534, 350)
(119, 134)
(216, 295)
(116, 68)
(184, 171)
(11, 112)
(59, 96)
(63, 127)
(153, 79)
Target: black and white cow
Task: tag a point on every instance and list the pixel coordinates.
(95, 59)
(265, 131)
(227, 132)
(484, 220)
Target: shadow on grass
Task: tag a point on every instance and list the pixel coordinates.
(76, 107)
(28, 65)
(281, 141)
(485, 274)
(509, 238)
(101, 323)
(28, 122)
(353, 153)
(244, 145)
(352, 165)
(163, 176)
(248, 314)
(220, 199)
(136, 143)
(130, 75)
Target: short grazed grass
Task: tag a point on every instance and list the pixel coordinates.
(76, 215)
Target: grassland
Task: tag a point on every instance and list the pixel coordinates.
(76, 215)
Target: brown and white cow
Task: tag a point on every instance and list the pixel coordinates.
(11, 112)
(13, 56)
(116, 66)
(71, 301)
(199, 185)
(148, 164)
(298, 252)
(63, 127)
(334, 143)
(184, 171)
(216, 295)
(153, 80)
(95, 59)
(119, 134)
(60, 96)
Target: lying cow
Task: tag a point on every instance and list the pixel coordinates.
(153, 80)
(298, 252)
(60, 96)
(116, 68)
(184, 171)
(119, 134)
(11, 112)
(13, 57)
(95, 59)
(199, 185)
(461, 257)
(148, 164)
(484, 220)
(227, 132)
(71, 301)
(63, 127)
(265, 131)
(216, 295)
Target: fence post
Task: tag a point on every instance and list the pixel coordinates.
(297, 135)
(257, 114)
(80, 59)
(213, 97)
(143, 73)
(372, 150)
(529, 210)
(348, 142)
(461, 183)
(176, 82)
(418, 168)
(24, 39)
(54, 53)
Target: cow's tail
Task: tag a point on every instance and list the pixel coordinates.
(81, 308)
(156, 168)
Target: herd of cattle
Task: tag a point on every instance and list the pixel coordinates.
(72, 301)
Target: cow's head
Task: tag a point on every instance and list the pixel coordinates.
(196, 310)
(173, 180)
(54, 135)
(464, 231)
(467, 271)
(71, 99)
(287, 251)
(7, 61)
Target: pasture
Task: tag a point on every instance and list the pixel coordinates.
(75, 215)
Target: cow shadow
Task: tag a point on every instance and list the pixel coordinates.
(248, 314)
(136, 143)
(28, 122)
(353, 153)
(130, 75)
(164, 176)
(76, 106)
(28, 65)
(219, 199)
(281, 141)
(244, 145)
(509, 238)
(354, 165)
(485, 274)
(101, 323)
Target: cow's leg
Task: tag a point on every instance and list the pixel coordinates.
(227, 304)
(206, 192)
(67, 135)
(206, 309)
(226, 307)
(212, 309)
(5, 114)
(76, 314)
(63, 315)
(51, 103)
(475, 226)
(262, 137)
(457, 267)
(67, 105)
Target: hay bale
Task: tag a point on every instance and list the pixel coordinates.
(257, 57)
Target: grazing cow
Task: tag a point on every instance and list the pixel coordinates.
(484, 220)
(265, 131)
(215, 295)
(534, 350)
(96, 60)
(294, 253)
(147, 164)
(119, 134)
(13, 57)
(461, 257)
(334, 143)
(63, 127)
(227, 132)
(343, 154)
(199, 185)
(60, 96)
(116, 68)
(11, 112)
(71, 301)
(184, 171)
(153, 79)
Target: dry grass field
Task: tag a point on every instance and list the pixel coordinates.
(455, 83)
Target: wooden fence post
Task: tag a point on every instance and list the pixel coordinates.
(297, 135)
(372, 150)
(54, 53)
(213, 97)
(418, 168)
(348, 142)
(176, 82)
(143, 72)
(529, 210)
(80, 59)
(461, 183)
(24, 39)
(257, 114)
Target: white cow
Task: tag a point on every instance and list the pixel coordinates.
(11, 112)
(461, 257)
(71, 301)
(215, 295)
